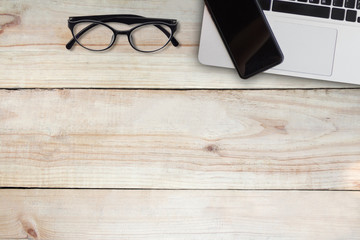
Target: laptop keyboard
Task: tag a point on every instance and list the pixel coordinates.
(339, 10)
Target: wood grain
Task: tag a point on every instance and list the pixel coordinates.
(291, 139)
(147, 139)
(106, 214)
(33, 35)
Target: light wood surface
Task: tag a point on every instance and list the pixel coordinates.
(106, 214)
(157, 146)
(180, 139)
(33, 35)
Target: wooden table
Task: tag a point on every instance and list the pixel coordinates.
(124, 145)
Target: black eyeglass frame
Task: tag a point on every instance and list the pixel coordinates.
(122, 18)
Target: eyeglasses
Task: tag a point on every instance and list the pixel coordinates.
(95, 34)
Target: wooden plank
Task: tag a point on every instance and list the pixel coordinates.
(180, 139)
(33, 35)
(107, 214)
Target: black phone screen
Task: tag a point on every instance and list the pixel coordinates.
(246, 34)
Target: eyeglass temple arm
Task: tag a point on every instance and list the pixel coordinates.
(71, 43)
(173, 40)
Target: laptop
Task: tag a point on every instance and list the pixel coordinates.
(320, 39)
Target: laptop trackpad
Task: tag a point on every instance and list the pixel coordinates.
(306, 49)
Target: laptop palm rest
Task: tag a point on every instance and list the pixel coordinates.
(307, 49)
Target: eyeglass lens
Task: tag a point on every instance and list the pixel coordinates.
(95, 36)
(150, 37)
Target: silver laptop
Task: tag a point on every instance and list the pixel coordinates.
(320, 39)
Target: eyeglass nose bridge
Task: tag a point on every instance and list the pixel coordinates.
(122, 32)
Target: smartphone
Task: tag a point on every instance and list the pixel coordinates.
(246, 34)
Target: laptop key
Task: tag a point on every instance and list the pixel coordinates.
(358, 4)
(326, 2)
(338, 3)
(351, 15)
(349, 3)
(315, 1)
(301, 9)
(265, 4)
(338, 14)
